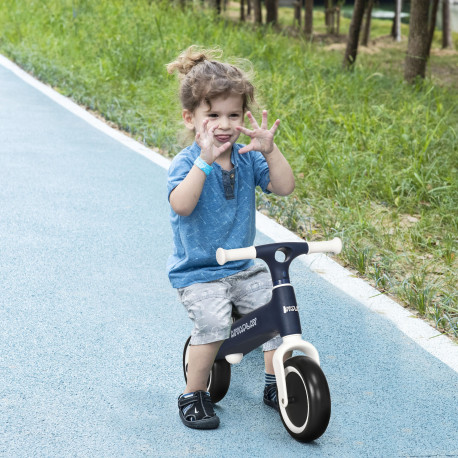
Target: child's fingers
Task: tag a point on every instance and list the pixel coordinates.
(253, 122)
(275, 127)
(245, 149)
(224, 147)
(210, 132)
(245, 131)
(264, 120)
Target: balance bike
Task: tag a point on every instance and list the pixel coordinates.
(303, 393)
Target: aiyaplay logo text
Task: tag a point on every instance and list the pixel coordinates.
(290, 308)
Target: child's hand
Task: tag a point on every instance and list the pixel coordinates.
(262, 139)
(205, 139)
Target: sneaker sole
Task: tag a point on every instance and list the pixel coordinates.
(207, 423)
(272, 404)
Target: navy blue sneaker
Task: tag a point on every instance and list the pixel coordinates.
(270, 396)
(196, 410)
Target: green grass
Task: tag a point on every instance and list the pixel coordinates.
(375, 159)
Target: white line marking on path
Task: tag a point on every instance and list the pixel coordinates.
(418, 330)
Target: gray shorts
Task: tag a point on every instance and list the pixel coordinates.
(209, 305)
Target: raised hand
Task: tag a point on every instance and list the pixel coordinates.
(205, 139)
(262, 138)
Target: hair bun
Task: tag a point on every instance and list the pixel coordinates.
(189, 58)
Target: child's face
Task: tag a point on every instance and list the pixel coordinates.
(226, 113)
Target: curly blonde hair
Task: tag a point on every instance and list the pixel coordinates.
(203, 78)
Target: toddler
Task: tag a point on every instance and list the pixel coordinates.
(211, 190)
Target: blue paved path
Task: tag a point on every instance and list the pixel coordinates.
(91, 333)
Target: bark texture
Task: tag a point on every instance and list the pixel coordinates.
(308, 18)
(272, 11)
(353, 36)
(367, 23)
(257, 8)
(418, 44)
(447, 41)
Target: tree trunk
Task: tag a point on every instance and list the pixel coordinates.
(432, 23)
(328, 4)
(272, 11)
(326, 13)
(367, 23)
(242, 10)
(338, 20)
(308, 20)
(353, 35)
(297, 13)
(396, 28)
(332, 16)
(257, 11)
(446, 25)
(417, 46)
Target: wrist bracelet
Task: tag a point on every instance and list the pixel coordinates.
(203, 166)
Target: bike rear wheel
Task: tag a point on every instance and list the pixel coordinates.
(219, 378)
(307, 414)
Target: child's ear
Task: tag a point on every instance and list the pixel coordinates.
(188, 119)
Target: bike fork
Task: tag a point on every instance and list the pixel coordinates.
(290, 343)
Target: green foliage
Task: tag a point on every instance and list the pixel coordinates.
(367, 149)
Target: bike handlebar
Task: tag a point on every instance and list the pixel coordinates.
(237, 254)
(327, 246)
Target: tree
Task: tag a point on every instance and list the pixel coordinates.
(330, 15)
(272, 11)
(396, 29)
(297, 12)
(418, 43)
(327, 14)
(308, 19)
(353, 35)
(446, 26)
(432, 23)
(367, 23)
(338, 12)
(257, 8)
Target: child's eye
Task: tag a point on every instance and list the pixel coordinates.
(235, 115)
(213, 115)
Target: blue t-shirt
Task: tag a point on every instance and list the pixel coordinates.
(225, 216)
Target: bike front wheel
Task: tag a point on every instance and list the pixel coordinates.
(307, 414)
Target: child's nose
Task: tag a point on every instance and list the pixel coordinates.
(223, 122)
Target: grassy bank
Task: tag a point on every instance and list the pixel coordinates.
(375, 159)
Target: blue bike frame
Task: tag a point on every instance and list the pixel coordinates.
(280, 315)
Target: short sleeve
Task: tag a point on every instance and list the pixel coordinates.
(261, 171)
(178, 170)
